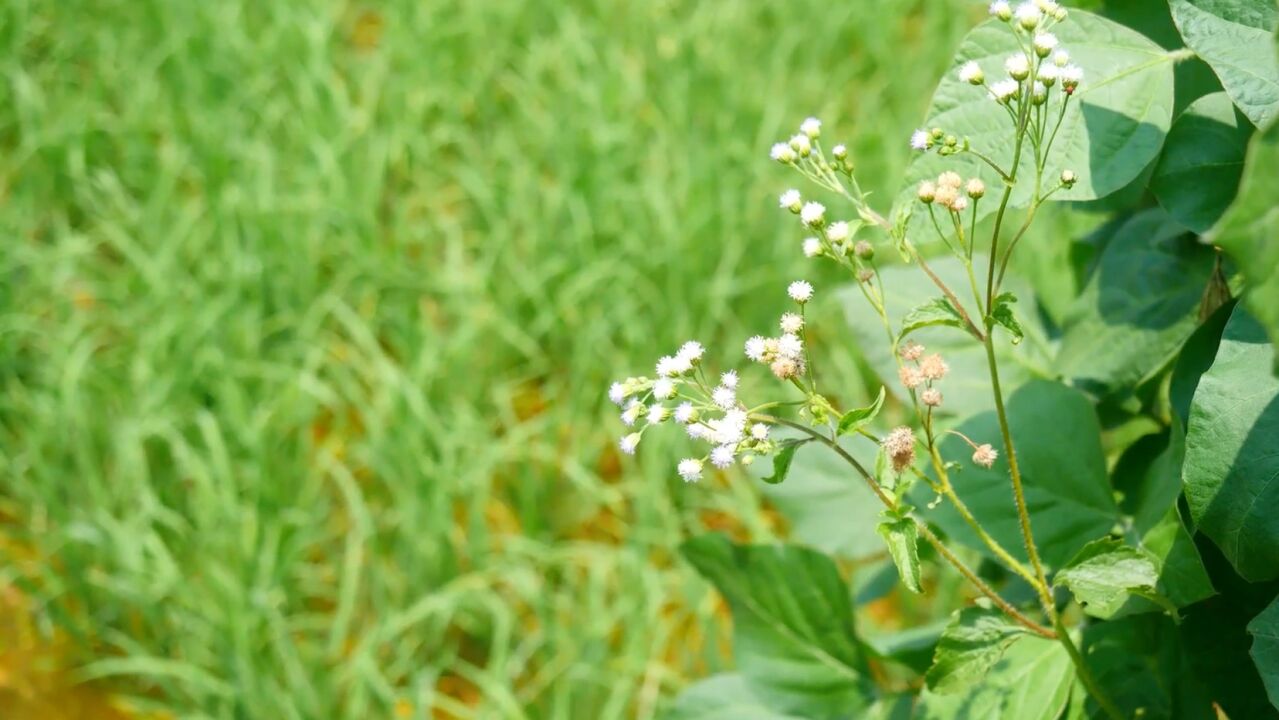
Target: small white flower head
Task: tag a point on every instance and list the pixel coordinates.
(812, 247)
(985, 455)
(1071, 76)
(911, 377)
(666, 366)
(933, 367)
(959, 204)
(629, 443)
(722, 456)
(791, 323)
(690, 469)
(1052, 9)
(633, 412)
(931, 397)
(789, 345)
(691, 351)
(927, 191)
(950, 179)
(1002, 10)
(685, 413)
(729, 379)
(800, 291)
(813, 214)
(812, 127)
(681, 364)
(900, 448)
(1061, 58)
(790, 200)
(1068, 178)
(657, 414)
(759, 431)
(838, 232)
(698, 431)
(617, 393)
(802, 145)
(1018, 66)
(1048, 74)
(1038, 93)
(971, 73)
(911, 350)
(1004, 90)
(724, 397)
(730, 429)
(782, 153)
(1044, 43)
(839, 152)
(921, 140)
(1029, 15)
(755, 348)
(975, 188)
(664, 389)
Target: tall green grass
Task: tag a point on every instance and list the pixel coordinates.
(307, 309)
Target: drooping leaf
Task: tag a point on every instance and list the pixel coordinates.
(857, 418)
(726, 696)
(938, 311)
(1003, 315)
(1182, 577)
(782, 460)
(1031, 682)
(1139, 306)
(1264, 630)
(970, 645)
(1198, 173)
(1247, 232)
(902, 537)
(1236, 38)
(793, 637)
(1068, 495)
(1231, 459)
(1106, 574)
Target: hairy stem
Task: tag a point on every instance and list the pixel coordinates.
(1085, 675)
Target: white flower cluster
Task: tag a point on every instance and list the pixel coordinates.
(800, 144)
(1030, 73)
(834, 239)
(784, 355)
(950, 191)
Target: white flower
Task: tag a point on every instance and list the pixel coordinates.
(801, 144)
(679, 365)
(789, 345)
(759, 431)
(790, 200)
(685, 413)
(812, 247)
(970, 72)
(1028, 15)
(617, 393)
(813, 214)
(800, 291)
(698, 431)
(1004, 90)
(1071, 76)
(959, 204)
(722, 456)
(1048, 74)
(792, 323)
(656, 414)
(838, 232)
(664, 389)
(840, 152)
(724, 397)
(1038, 93)
(782, 153)
(920, 140)
(755, 348)
(690, 469)
(812, 127)
(691, 351)
(1045, 43)
(728, 430)
(729, 379)
(665, 366)
(1018, 66)
(1001, 9)
(1050, 7)
(632, 412)
(629, 443)
(1061, 58)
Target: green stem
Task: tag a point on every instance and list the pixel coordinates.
(1085, 674)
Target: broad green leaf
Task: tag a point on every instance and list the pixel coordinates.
(793, 637)
(1105, 574)
(1198, 173)
(1112, 130)
(1231, 459)
(726, 696)
(1002, 314)
(857, 418)
(938, 311)
(967, 386)
(1140, 305)
(902, 537)
(1247, 232)
(1031, 682)
(1058, 445)
(973, 642)
(1195, 359)
(1264, 630)
(827, 504)
(912, 647)
(1140, 663)
(1236, 38)
(782, 460)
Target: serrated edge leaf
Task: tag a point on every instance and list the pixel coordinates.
(855, 419)
(782, 460)
(902, 537)
(984, 627)
(938, 311)
(1002, 314)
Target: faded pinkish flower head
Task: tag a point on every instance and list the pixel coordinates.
(931, 397)
(950, 179)
(933, 367)
(985, 455)
(900, 448)
(785, 368)
(911, 377)
(911, 350)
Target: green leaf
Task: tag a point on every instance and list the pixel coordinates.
(726, 696)
(1111, 132)
(912, 647)
(1002, 314)
(1231, 462)
(1058, 443)
(938, 311)
(1140, 305)
(1031, 682)
(782, 460)
(1140, 663)
(828, 506)
(1198, 173)
(1247, 233)
(1236, 38)
(902, 537)
(793, 637)
(1264, 630)
(857, 418)
(1105, 574)
(972, 643)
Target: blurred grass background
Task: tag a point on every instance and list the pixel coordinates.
(306, 315)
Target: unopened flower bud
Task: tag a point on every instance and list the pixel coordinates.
(976, 188)
(1068, 178)
(1038, 93)
(802, 145)
(865, 275)
(840, 152)
(864, 250)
